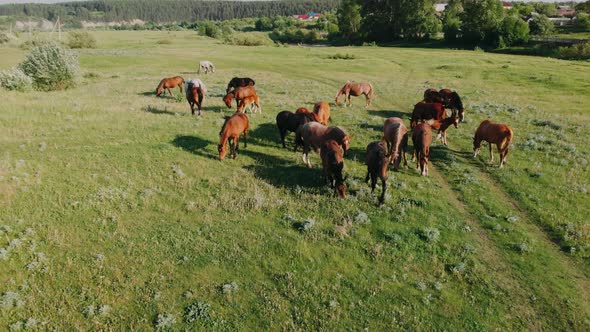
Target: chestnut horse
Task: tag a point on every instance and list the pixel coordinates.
(321, 111)
(313, 135)
(493, 133)
(288, 121)
(333, 164)
(395, 134)
(426, 111)
(377, 160)
(195, 93)
(248, 101)
(236, 82)
(230, 132)
(302, 110)
(355, 89)
(169, 83)
(206, 66)
(422, 138)
(239, 94)
(442, 127)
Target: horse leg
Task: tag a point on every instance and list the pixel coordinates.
(283, 133)
(246, 138)
(170, 92)
(384, 189)
(492, 152)
(373, 182)
(192, 105)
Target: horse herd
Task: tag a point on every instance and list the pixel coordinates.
(437, 111)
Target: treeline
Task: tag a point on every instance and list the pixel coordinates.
(165, 10)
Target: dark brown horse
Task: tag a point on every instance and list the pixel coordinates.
(195, 93)
(237, 82)
(422, 138)
(493, 133)
(169, 83)
(426, 111)
(312, 135)
(333, 164)
(289, 121)
(395, 134)
(377, 160)
(453, 101)
(355, 89)
(432, 96)
(230, 132)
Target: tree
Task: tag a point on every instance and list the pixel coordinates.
(513, 31)
(452, 21)
(480, 21)
(541, 25)
(583, 7)
(349, 19)
(522, 9)
(544, 8)
(582, 21)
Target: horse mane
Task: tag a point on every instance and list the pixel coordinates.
(226, 118)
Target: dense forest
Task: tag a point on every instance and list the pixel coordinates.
(166, 10)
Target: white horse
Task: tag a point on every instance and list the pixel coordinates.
(206, 66)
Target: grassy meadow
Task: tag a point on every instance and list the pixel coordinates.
(115, 213)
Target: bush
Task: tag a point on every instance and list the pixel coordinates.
(32, 43)
(15, 79)
(81, 39)
(4, 38)
(541, 25)
(582, 21)
(51, 67)
(164, 42)
(513, 31)
(248, 39)
(339, 56)
(574, 52)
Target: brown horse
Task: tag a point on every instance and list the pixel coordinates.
(333, 164)
(288, 121)
(230, 132)
(236, 82)
(432, 96)
(248, 101)
(395, 134)
(169, 83)
(195, 93)
(426, 111)
(442, 127)
(422, 138)
(313, 135)
(239, 94)
(453, 101)
(355, 89)
(377, 160)
(321, 111)
(302, 110)
(493, 133)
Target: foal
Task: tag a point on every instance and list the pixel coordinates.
(422, 138)
(169, 83)
(333, 163)
(395, 134)
(377, 161)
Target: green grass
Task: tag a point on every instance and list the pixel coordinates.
(116, 198)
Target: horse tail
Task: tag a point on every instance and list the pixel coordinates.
(371, 91)
(507, 138)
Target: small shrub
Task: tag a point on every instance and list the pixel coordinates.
(574, 52)
(51, 67)
(339, 56)
(15, 79)
(164, 42)
(165, 321)
(430, 234)
(196, 311)
(4, 38)
(81, 39)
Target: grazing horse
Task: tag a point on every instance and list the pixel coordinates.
(288, 121)
(493, 133)
(206, 66)
(169, 83)
(239, 94)
(236, 82)
(377, 160)
(395, 134)
(426, 111)
(313, 135)
(355, 89)
(333, 163)
(452, 100)
(432, 96)
(230, 132)
(442, 127)
(302, 110)
(422, 137)
(195, 93)
(248, 101)
(321, 111)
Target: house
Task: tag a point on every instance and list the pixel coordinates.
(440, 7)
(308, 16)
(506, 5)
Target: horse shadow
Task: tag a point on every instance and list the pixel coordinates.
(156, 110)
(147, 93)
(283, 173)
(267, 134)
(391, 113)
(193, 144)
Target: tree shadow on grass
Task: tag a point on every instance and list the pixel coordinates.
(194, 145)
(391, 113)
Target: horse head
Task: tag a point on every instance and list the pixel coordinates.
(222, 151)
(228, 98)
